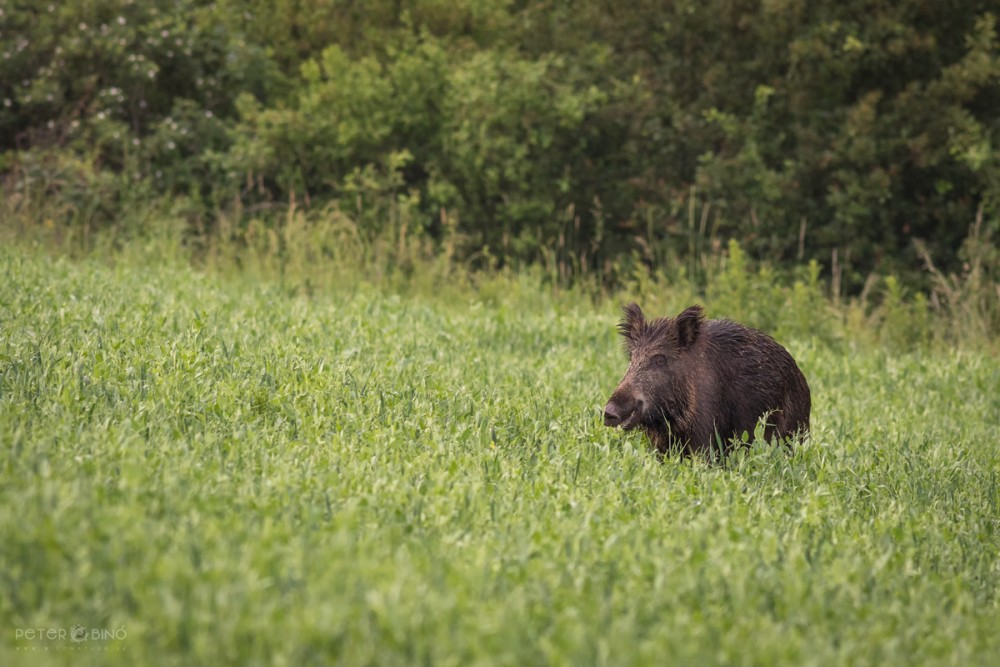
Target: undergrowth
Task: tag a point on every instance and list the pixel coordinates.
(310, 252)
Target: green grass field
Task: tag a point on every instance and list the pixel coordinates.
(204, 470)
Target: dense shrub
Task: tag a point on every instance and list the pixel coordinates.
(145, 89)
(580, 134)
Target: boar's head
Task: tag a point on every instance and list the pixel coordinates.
(657, 385)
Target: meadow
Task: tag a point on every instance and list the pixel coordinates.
(208, 469)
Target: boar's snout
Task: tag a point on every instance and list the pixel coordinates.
(612, 415)
(622, 413)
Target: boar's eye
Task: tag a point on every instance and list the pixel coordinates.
(659, 360)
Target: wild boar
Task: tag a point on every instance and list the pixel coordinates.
(693, 384)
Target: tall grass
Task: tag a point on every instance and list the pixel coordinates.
(309, 251)
(232, 470)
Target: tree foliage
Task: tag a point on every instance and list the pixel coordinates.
(803, 129)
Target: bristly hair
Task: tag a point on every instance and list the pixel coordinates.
(682, 330)
(631, 326)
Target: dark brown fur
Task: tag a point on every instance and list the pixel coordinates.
(694, 383)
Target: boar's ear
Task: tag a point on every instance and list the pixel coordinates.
(689, 326)
(632, 323)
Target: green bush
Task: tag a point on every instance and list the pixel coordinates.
(571, 135)
(514, 142)
(145, 90)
